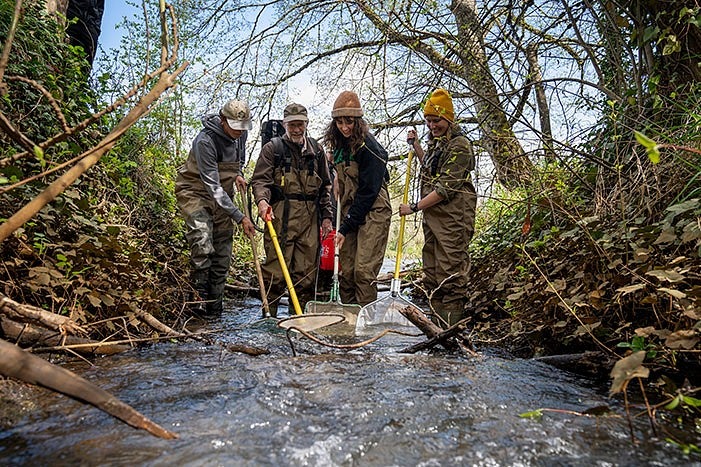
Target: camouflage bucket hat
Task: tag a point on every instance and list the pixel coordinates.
(237, 115)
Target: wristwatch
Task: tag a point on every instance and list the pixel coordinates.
(414, 207)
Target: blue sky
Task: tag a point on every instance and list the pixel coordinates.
(115, 11)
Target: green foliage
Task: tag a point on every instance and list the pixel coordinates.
(686, 448)
(683, 401)
(41, 53)
(639, 343)
(111, 244)
(534, 215)
(536, 414)
(652, 148)
(498, 224)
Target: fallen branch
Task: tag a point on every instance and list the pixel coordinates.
(154, 323)
(28, 313)
(450, 339)
(18, 364)
(28, 335)
(590, 363)
(130, 341)
(248, 350)
(242, 287)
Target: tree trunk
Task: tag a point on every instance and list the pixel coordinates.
(542, 102)
(512, 166)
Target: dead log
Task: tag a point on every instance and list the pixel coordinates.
(240, 287)
(18, 364)
(450, 339)
(28, 335)
(31, 314)
(590, 363)
(246, 349)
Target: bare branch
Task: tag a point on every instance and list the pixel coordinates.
(16, 135)
(4, 59)
(49, 97)
(143, 106)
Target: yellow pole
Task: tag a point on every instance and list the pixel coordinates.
(283, 266)
(402, 219)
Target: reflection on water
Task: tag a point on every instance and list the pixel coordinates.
(371, 406)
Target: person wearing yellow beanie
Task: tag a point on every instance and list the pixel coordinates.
(448, 202)
(440, 104)
(361, 186)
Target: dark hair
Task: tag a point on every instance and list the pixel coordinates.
(334, 139)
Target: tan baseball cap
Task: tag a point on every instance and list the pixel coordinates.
(237, 115)
(295, 112)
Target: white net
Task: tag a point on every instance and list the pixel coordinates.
(384, 312)
(311, 322)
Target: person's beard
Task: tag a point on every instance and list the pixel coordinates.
(299, 139)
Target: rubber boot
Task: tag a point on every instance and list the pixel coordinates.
(215, 307)
(198, 300)
(215, 304)
(272, 308)
(450, 312)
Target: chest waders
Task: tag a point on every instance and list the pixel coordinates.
(209, 230)
(447, 228)
(295, 196)
(364, 249)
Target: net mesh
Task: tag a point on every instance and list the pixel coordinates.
(311, 322)
(384, 312)
(350, 312)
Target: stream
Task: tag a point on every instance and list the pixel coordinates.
(326, 407)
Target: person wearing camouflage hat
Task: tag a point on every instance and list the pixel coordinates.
(204, 189)
(291, 186)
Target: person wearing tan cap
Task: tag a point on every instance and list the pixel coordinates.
(204, 189)
(361, 178)
(291, 186)
(448, 202)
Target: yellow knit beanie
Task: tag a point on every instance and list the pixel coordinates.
(440, 104)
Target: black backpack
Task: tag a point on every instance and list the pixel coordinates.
(269, 130)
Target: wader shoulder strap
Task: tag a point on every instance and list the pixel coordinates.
(283, 159)
(282, 156)
(319, 156)
(434, 162)
(218, 143)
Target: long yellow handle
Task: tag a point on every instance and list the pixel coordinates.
(283, 266)
(402, 219)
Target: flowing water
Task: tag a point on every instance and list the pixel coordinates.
(325, 407)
